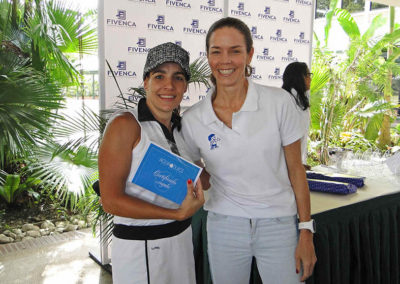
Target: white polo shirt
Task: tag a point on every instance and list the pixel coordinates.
(248, 170)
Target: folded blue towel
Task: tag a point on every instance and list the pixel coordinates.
(357, 181)
(331, 186)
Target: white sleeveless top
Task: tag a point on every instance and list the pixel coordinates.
(150, 131)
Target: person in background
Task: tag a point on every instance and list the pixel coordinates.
(152, 237)
(248, 138)
(297, 81)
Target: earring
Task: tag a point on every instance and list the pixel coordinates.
(248, 70)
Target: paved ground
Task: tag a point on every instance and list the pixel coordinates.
(52, 259)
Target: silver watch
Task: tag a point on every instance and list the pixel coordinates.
(310, 225)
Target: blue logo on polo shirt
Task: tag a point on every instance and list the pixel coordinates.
(214, 141)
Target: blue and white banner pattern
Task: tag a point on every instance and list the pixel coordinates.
(281, 32)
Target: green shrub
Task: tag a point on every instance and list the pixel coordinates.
(13, 188)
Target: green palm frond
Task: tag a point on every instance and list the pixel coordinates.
(3, 175)
(27, 103)
(83, 128)
(320, 79)
(347, 23)
(46, 39)
(54, 30)
(387, 39)
(77, 33)
(376, 23)
(64, 168)
(200, 72)
(89, 203)
(395, 55)
(373, 127)
(316, 41)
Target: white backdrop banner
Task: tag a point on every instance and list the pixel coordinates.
(281, 30)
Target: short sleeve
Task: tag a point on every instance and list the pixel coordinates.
(191, 147)
(290, 121)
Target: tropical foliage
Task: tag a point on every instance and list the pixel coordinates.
(39, 44)
(13, 187)
(349, 90)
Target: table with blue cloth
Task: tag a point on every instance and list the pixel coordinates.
(357, 239)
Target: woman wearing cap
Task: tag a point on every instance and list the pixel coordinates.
(249, 139)
(152, 237)
(297, 81)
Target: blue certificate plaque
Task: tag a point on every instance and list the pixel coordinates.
(165, 173)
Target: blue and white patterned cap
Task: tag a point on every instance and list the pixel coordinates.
(167, 52)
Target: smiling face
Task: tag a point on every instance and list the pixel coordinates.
(227, 56)
(165, 86)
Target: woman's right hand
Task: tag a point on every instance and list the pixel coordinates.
(193, 201)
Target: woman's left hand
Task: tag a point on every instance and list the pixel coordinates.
(305, 254)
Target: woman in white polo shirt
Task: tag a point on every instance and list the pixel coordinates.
(248, 137)
(297, 80)
(152, 237)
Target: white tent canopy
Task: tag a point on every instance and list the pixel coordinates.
(388, 2)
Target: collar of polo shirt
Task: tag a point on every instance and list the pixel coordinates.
(250, 103)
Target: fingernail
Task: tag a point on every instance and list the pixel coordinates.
(189, 181)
